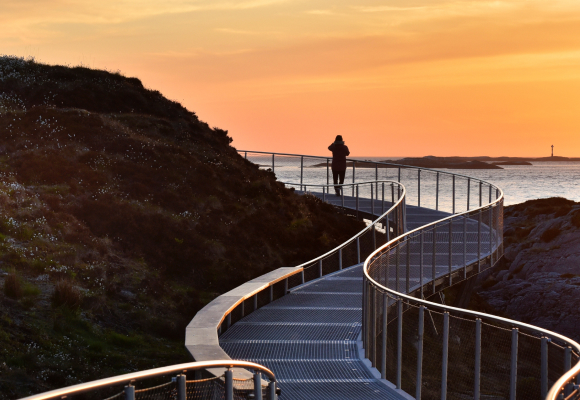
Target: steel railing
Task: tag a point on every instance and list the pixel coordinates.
(425, 261)
(225, 386)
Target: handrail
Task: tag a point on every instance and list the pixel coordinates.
(202, 332)
(128, 378)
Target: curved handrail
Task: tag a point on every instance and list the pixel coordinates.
(202, 332)
(128, 378)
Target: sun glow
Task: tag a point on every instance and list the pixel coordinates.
(395, 78)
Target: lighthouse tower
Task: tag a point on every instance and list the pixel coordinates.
(552, 150)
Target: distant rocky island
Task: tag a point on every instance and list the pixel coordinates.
(482, 162)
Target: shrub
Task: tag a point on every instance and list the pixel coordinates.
(65, 294)
(12, 285)
(550, 234)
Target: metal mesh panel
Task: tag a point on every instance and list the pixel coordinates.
(120, 395)
(461, 358)
(529, 363)
(204, 389)
(495, 360)
(166, 391)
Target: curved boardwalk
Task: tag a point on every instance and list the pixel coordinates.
(309, 337)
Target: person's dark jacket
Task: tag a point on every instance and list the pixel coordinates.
(339, 153)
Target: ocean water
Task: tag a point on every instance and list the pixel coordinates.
(526, 182)
(518, 182)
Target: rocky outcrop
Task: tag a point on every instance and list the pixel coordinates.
(538, 281)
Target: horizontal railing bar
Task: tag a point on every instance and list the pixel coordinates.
(150, 373)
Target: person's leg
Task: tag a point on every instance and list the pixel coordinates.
(335, 177)
(341, 177)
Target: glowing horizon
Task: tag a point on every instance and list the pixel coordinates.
(419, 77)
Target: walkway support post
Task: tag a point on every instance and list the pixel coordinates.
(384, 338)
(399, 342)
(301, 171)
(477, 372)
(514, 364)
(373, 357)
(272, 391)
(129, 392)
(437, 193)
(328, 172)
(408, 271)
(445, 355)
(421, 254)
(465, 247)
(356, 200)
(468, 192)
(450, 251)
(229, 381)
(397, 264)
(480, 193)
(453, 194)
(181, 387)
(340, 258)
(479, 241)
(418, 188)
(544, 367)
(353, 177)
(320, 268)
(257, 386)
(420, 334)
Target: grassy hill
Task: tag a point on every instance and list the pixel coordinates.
(121, 215)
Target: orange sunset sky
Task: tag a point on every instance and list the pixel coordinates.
(394, 77)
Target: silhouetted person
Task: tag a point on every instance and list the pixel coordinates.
(339, 153)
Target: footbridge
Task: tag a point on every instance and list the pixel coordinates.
(368, 319)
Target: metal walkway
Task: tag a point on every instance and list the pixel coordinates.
(309, 337)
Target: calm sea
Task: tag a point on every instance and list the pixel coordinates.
(525, 182)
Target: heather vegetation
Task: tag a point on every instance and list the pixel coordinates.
(121, 215)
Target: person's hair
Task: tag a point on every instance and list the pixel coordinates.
(338, 138)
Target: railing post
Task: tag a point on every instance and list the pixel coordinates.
(324, 193)
(392, 194)
(490, 193)
(399, 343)
(399, 180)
(272, 390)
(383, 201)
(228, 320)
(445, 356)
(450, 250)
(480, 193)
(257, 386)
(418, 188)
(246, 155)
(421, 254)
(340, 258)
(397, 264)
(373, 231)
(384, 338)
(357, 201)
(377, 178)
(434, 255)
(490, 212)
(465, 247)
(567, 366)
(420, 334)
(328, 171)
(129, 392)
(181, 387)
(353, 177)
(514, 364)
(301, 171)
(477, 372)
(479, 241)
(364, 315)
(437, 193)
(372, 201)
(285, 286)
(387, 228)
(544, 367)
(358, 250)
(468, 192)
(273, 164)
(255, 301)
(302, 276)
(453, 194)
(342, 197)
(408, 270)
(374, 327)
(242, 310)
(320, 268)
(229, 383)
